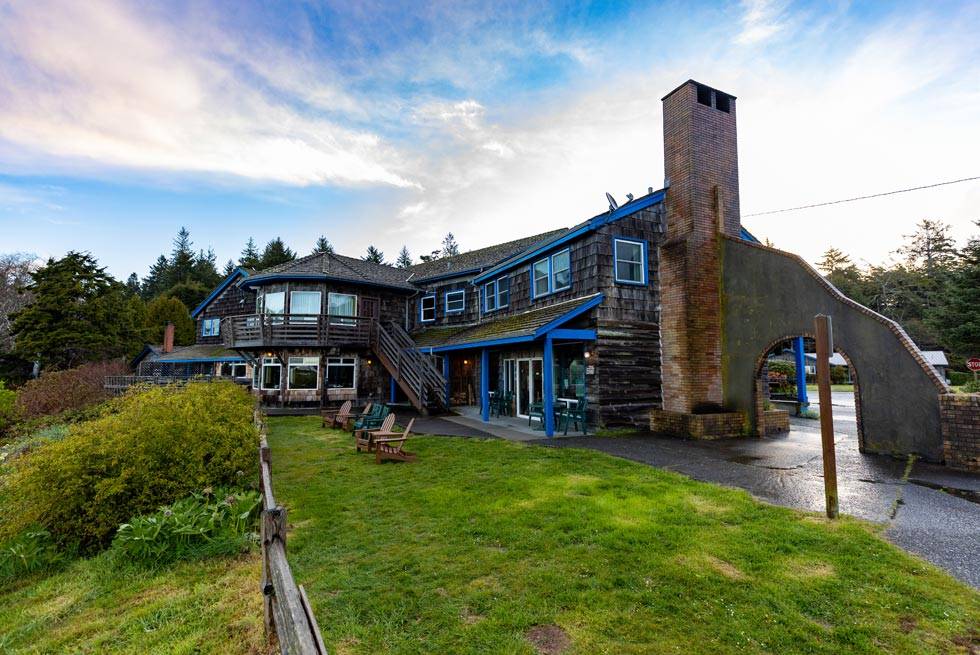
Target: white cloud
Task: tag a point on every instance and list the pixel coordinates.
(761, 20)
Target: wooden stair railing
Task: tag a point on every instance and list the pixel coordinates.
(412, 371)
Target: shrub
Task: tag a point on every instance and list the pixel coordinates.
(55, 392)
(201, 525)
(8, 412)
(30, 551)
(973, 386)
(156, 446)
(959, 378)
(780, 366)
(838, 375)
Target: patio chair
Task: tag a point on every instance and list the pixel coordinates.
(365, 436)
(392, 446)
(505, 403)
(336, 416)
(372, 419)
(577, 415)
(535, 411)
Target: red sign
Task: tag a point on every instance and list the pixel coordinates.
(973, 364)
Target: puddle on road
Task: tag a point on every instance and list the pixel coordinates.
(966, 494)
(743, 459)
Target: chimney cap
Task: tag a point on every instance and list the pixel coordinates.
(695, 82)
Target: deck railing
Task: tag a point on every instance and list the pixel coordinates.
(119, 383)
(272, 330)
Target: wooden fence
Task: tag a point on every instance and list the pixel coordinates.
(286, 610)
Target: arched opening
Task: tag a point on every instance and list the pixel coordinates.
(777, 385)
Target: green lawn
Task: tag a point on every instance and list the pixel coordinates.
(94, 606)
(812, 388)
(468, 549)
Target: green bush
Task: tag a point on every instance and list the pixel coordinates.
(8, 408)
(838, 375)
(201, 525)
(156, 446)
(959, 378)
(971, 387)
(781, 366)
(30, 551)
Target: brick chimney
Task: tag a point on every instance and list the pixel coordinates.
(168, 338)
(701, 166)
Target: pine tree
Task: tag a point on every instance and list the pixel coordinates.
(276, 253)
(449, 246)
(229, 268)
(158, 280)
(250, 258)
(133, 284)
(205, 271)
(182, 258)
(958, 319)
(431, 257)
(374, 255)
(322, 246)
(833, 259)
(404, 258)
(930, 247)
(163, 310)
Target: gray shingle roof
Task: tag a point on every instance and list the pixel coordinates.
(199, 351)
(339, 267)
(475, 260)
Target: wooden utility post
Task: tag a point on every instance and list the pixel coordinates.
(825, 347)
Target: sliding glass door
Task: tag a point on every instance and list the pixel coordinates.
(528, 384)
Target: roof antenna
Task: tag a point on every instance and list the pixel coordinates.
(613, 205)
(649, 189)
(629, 197)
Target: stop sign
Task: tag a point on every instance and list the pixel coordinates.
(973, 364)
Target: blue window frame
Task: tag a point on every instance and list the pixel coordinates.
(630, 263)
(211, 327)
(427, 308)
(455, 301)
(551, 274)
(496, 294)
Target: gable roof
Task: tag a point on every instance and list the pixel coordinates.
(581, 229)
(330, 266)
(238, 272)
(475, 261)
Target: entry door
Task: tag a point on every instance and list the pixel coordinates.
(529, 384)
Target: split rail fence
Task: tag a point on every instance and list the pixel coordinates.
(286, 608)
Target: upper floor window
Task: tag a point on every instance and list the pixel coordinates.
(630, 261)
(455, 301)
(211, 327)
(339, 305)
(551, 274)
(496, 294)
(427, 309)
(304, 302)
(274, 303)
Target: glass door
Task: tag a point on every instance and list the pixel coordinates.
(529, 384)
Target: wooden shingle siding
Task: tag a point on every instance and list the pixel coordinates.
(233, 301)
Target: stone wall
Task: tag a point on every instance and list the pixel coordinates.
(961, 430)
(697, 426)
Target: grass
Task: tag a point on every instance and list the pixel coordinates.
(480, 543)
(833, 387)
(99, 606)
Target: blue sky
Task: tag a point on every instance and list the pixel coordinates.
(393, 123)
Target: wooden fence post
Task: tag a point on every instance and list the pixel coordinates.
(824, 338)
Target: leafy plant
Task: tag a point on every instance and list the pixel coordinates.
(30, 551)
(76, 389)
(973, 386)
(196, 526)
(8, 410)
(155, 446)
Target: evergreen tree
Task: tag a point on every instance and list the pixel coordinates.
(158, 280)
(374, 255)
(229, 268)
(205, 270)
(182, 258)
(322, 246)
(431, 257)
(163, 310)
(190, 293)
(133, 284)
(404, 258)
(958, 320)
(78, 313)
(276, 253)
(930, 247)
(449, 246)
(832, 260)
(250, 258)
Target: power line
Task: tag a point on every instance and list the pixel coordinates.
(874, 195)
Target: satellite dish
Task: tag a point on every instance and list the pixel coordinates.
(613, 205)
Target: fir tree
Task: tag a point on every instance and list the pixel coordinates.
(958, 320)
(322, 246)
(374, 255)
(404, 258)
(229, 268)
(133, 284)
(276, 253)
(449, 246)
(163, 310)
(250, 258)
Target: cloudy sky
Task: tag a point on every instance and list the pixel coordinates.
(385, 123)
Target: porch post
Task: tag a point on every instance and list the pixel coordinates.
(547, 381)
(801, 396)
(445, 375)
(485, 384)
(391, 391)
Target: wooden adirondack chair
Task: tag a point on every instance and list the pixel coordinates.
(354, 422)
(392, 445)
(336, 417)
(365, 436)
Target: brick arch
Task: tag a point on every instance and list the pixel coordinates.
(768, 294)
(760, 363)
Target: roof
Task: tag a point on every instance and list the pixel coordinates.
(330, 266)
(581, 229)
(524, 326)
(475, 261)
(835, 360)
(935, 357)
(200, 352)
(238, 272)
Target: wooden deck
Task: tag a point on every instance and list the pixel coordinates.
(261, 331)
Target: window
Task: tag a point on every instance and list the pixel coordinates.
(211, 327)
(340, 372)
(342, 304)
(232, 370)
(551, 274)
(274, 303)
(427, 309)
(306, 303)
(496, 294)
(455, 301)
(271, 374)
(630, 261)
(303, 372)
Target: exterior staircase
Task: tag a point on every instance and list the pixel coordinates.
(414, 372)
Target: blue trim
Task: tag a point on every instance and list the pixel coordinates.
(564, 318)
(208, 328)
(391, 391)
(593, 224)
(427, 320)
(534, 279)
(485, 384)
(217, 291)
(798, 353)
(551, 274)
(448, 276)
(573, 335)
(548, 383)
(479, 344)
(747, 236)
(445, 376)
(495, 283)
(644, 257)
(201, 359)
(445, 299)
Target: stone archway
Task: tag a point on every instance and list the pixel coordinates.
(768, 294)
